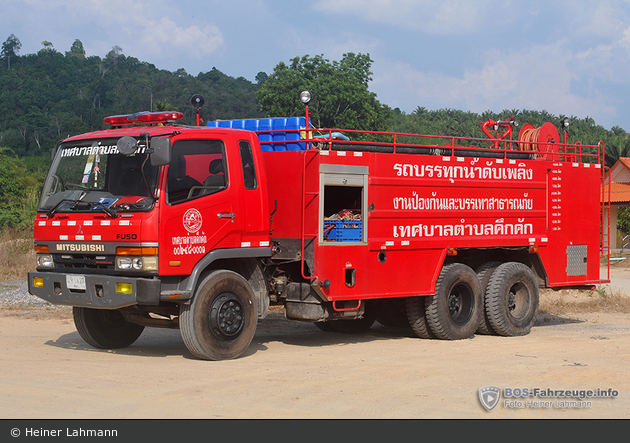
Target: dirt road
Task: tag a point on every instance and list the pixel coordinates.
(294, 370)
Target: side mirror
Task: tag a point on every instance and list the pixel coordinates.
(161, 147)
(126, 145)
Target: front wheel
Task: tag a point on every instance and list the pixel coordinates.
(219, 323)
(105, 329)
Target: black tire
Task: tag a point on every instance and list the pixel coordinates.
(484, 272)
(417, 318)
(512, 299)
(393, 313)
(453, 312)
(105, 329)
(219, 323)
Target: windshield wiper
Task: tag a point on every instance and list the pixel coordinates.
(61, 203)
(105, 208)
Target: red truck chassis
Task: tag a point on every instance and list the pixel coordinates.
(152, 223)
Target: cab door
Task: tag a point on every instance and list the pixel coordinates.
(201, 204)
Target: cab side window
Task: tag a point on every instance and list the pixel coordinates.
(197, 169)
(247, 161)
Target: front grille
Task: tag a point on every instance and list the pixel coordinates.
(81, 261)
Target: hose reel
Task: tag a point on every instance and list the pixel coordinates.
(543, 140)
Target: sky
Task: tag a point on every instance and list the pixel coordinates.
(567, 57)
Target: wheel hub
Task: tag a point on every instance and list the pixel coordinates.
(227, 316)
(460, 303)
(511, 301)
(454, 304)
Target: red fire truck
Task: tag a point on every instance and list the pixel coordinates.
(203, 228)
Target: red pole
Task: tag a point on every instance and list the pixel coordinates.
(308, 133)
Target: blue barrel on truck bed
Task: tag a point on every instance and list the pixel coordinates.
(271, 131)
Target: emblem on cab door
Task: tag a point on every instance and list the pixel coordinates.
(192, 220)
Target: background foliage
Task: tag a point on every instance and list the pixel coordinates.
(45, 97)
(341, 98)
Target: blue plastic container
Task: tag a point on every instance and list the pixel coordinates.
(264, 124)
(238, 124)
(279, 124)
(294, 123)
(251, 125)
(282, 141)
(343, 230)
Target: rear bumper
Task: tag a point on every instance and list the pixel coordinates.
(100, 291)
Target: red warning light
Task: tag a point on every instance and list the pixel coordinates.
(143, 118)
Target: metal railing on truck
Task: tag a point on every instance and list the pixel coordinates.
(529, 146)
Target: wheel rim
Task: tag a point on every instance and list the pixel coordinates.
(461, 303)
(519, 300)
(227, 316)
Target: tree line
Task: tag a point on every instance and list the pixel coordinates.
(49, 95)
(45, 97)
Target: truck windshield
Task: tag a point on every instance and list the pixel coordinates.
(91, 175)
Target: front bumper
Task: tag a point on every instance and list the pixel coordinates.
(100, 290)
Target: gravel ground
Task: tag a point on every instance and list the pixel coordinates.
(15, 293)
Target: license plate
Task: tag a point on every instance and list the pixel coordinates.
(76, 282)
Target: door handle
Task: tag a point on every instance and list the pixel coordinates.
(230, 215)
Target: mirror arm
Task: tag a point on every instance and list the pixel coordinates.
(144, 175)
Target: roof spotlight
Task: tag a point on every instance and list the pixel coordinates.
(565, 122)
(305, 97)
(197, 101)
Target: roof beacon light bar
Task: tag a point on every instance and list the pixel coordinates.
(143, 118)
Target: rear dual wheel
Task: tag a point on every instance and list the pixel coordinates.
(512, 298)
(484, 273)
(453, 312)
(417, 317)
(392, 312)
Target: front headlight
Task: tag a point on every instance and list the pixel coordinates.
(45, 261)
(143, 263)
(123, 263)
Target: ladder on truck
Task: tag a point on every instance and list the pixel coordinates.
(309, 197)
(605, 209)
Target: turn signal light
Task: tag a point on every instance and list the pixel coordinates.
(38, 282)
(136, 251)
(41, 249)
